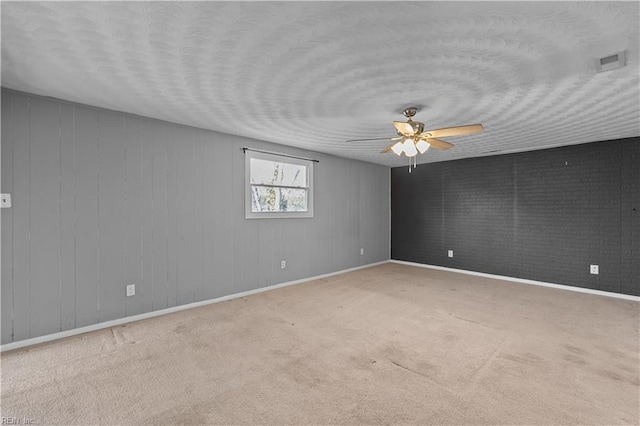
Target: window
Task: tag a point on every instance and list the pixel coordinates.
(277, 186)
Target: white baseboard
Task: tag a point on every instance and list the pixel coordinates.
(524, 281)
(133, 318)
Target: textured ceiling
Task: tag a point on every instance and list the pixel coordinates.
(312, 75)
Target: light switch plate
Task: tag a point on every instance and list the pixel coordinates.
(5, 200)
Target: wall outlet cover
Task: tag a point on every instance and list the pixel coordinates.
(594, 269)
(361, 251)
(5, 200)
(450, 253)
(131, 290)
(283, 264)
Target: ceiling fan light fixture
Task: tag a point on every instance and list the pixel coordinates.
(398, 148)
(422, 146)
(412, 139)
(409, 148)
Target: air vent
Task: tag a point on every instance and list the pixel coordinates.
(611, 62)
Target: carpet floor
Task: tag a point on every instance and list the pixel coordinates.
(390, 344)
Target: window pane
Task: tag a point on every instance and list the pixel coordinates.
(278, 173)
(268, 199)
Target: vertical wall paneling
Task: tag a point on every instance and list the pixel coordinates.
(363, 198)
(313, 232)
(220, 191)
(44, 192)
(367, 194)
(172, 216)
(160, 219)
(209, 207)
(86, 153)
(264, 250)
(341, 209)
(354, 236)
(383, 230)
(353, 214)
(111, 239)
(245, 240)
(305, 253)
(278, 253)
(67, 218)
(146, 165)
(103, 199)
(345, 251)
(341, 177)
(133, 213)
(370, 207)
(21, 217)
(248, 239)
(325, 214)
(198, 237)
(380, 207)
(238, 261)
(292, 248)
(6, 271)
(185, 197)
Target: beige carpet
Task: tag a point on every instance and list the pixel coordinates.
(388, 344)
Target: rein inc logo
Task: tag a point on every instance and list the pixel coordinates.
(8, 420)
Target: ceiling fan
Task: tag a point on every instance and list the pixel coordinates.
(412, 139)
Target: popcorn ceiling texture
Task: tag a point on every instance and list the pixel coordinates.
(312, 75)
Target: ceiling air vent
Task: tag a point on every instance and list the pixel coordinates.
(611, 62)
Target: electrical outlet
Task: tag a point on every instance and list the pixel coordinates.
(594, 269)
(5, 200)
(283, 264)
(450, 253)
(361, 252)
(131, 290)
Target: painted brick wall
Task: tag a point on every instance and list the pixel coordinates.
(542, 215)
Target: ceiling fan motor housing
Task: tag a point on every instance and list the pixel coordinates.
(415, 125)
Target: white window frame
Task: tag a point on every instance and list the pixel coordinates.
(248, 155)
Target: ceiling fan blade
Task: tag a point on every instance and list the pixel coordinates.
(390, 138)
(438, 143)
(404, 128)
(455, 131)
(387, 149)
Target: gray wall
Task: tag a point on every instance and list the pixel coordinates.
(102, 199)
(542, 215)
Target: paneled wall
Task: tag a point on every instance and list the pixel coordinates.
(543, 215)
(103, 199)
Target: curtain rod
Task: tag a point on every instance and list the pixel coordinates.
(245, 149)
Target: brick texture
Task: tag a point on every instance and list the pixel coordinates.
(542, 215)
